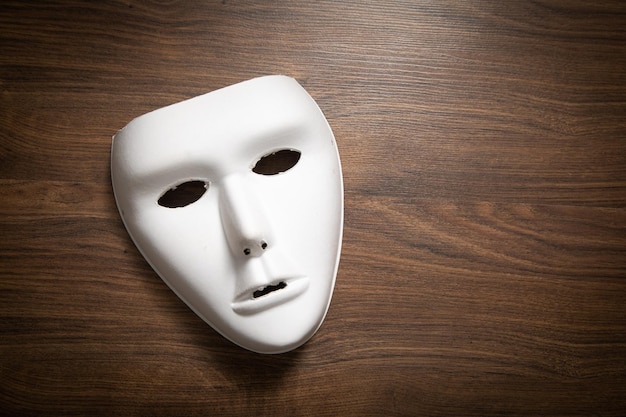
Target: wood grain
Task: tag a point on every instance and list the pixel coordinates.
(483, 269)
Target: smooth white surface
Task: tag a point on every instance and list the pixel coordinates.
(211, 252)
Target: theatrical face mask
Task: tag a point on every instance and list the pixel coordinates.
(235, 198)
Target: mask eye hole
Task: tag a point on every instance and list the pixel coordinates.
(183, 194)
(276, 162)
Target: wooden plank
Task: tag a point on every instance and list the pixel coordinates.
(483, 269)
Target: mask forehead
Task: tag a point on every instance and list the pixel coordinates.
(256, 255)
(221, 127)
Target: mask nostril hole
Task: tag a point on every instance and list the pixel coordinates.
(247, 251)
(276, 162)
(264, 245)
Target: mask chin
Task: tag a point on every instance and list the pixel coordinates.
(235, 198)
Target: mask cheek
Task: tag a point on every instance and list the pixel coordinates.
(187, 249)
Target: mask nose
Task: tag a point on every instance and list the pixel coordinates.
(245, 223)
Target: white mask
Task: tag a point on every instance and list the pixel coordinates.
(235, 198)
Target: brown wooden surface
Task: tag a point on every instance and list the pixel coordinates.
(483, 270)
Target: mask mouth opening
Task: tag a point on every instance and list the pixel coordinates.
(272, 295)
(268, 289)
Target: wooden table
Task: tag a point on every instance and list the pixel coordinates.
(483, 269)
